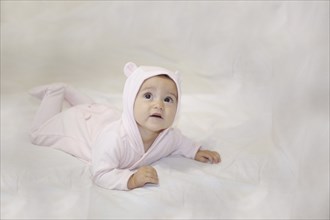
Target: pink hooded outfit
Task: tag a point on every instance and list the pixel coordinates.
(99, 135)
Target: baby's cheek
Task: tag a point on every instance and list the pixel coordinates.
(172, 116)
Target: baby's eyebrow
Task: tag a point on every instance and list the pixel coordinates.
(147, 88)
(173, 94)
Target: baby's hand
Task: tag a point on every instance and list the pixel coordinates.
(145, 174)
(208, 156)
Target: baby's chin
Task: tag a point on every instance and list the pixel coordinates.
(160, 130)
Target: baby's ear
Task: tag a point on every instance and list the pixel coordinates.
(129, 68)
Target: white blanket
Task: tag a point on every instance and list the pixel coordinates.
(255, 88)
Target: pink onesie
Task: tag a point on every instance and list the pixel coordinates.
(109, 141)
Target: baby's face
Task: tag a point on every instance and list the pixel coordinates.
(155, 104)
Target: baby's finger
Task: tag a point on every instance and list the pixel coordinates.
(215, 157)
(204, 159)
(218, 157)
(152, 179)
(151, 172)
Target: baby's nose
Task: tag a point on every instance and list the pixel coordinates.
(159, 104)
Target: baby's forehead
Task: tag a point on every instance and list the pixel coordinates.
(161, 76)
(160, 81)
(154, 80)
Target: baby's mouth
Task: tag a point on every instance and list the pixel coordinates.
(156, 115)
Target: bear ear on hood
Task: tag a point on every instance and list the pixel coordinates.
(129, 68)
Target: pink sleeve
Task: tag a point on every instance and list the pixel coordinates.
(105, 163)
(184, 146)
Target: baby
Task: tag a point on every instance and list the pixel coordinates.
(118, 147)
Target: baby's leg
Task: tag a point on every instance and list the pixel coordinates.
(52, 96)
(51, 104)
(75, 97)
(71, 95)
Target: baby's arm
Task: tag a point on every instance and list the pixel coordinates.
(208, 156)
(145, 174)
(106, 158)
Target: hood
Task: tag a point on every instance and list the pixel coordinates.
(135, 77)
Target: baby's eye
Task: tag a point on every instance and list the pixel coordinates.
(169, 99)
(147, 95)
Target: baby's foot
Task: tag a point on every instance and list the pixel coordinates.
(40, 91)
